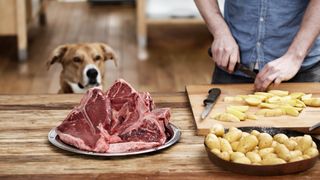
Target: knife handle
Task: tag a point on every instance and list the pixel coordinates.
(214, 93)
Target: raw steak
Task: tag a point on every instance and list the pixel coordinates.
(119, 120)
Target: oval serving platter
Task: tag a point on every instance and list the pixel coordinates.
(266, 170)
(55, 140)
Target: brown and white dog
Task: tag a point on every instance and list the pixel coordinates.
(82, 65)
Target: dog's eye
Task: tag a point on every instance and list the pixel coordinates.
(97, 58)
(77, 60)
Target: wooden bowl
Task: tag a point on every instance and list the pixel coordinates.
(266, 170)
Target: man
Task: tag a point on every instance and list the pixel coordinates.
(279, 39)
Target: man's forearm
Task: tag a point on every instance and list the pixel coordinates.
(210, 12)
(309, 31)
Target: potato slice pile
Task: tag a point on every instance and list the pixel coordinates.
(272, 103)
(236, 114)
(259, 148)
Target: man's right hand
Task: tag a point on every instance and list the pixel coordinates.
(225, 52)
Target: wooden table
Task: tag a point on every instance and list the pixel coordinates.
(25, 152)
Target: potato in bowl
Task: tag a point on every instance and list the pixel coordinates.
(261, 151)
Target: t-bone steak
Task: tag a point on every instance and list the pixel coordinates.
(120, 120)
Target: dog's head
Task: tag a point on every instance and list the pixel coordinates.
(83, 64)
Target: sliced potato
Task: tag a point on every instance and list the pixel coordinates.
(242, 160)
(280, 138)
(304, 143)
(299, 104)
(255, 133)
(238, 114)
(274, 100)
(297, 95)
(234, 145)
(240, 108)
(265, 140)
(282, 151)
(287, 100)
(294, 154)
(265, 151)
(314, 102)
(268, 105)
(268, 95)
(298, 109)
(279, 92)
(225, 145)
(299, 158)
(270, 112)
(251, 116)
(312, 152)
(244, 134)
(236, 155)
(233, 129)
(290, 110)
(233, 136)
(314, 145)
(274, 113)
(224, 155)
(272, 161)
(274, 143)
(247, 143)
(212, 141)
(227, 117)
(305, 156)
(215, 151)
(254, 157)
(253, 101)
(261, 97)
(290, 144)
(217, 129)
(270, 155)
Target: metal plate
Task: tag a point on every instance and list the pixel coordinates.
(55, 140)
(266, 170)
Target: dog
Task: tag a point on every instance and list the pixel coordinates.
(83, 65)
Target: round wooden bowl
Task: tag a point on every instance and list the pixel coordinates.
(266, 170)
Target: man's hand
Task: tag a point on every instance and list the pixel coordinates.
(225, 52)
(281, 69)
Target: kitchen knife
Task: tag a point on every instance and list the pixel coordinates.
(240, 67)
(214, 93)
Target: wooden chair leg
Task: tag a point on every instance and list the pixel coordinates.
(21, 22)
(43, 13)
(142, 29)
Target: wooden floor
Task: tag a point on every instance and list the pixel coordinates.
(177, 54)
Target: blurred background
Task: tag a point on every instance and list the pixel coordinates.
(161, 44)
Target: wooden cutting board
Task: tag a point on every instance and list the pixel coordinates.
(307, 118)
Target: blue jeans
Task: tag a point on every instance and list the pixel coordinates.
(309, 75)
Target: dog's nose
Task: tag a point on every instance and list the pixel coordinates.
(92, 73)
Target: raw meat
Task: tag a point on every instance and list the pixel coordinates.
(119, 120)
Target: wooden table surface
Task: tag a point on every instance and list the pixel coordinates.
(25, 152)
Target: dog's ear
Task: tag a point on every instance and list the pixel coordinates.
(109, 53)
(57, 55)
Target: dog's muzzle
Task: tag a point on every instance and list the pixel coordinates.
(92, 75)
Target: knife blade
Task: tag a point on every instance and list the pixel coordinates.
(210, 101)
(240, 67)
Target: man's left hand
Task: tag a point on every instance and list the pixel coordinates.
(281, 69)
